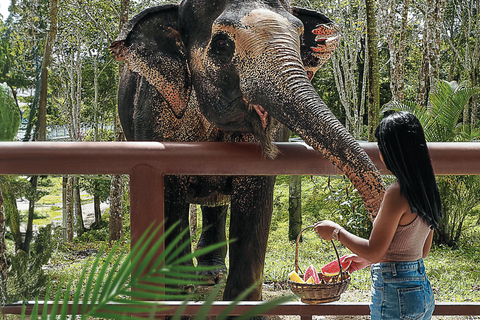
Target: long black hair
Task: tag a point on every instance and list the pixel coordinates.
(401, 141)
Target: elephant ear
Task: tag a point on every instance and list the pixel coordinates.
(152, 47)
(321, 37)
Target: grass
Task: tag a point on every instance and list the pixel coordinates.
(49, 207)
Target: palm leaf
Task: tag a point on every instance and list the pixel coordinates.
(136, 282)
(441, 118)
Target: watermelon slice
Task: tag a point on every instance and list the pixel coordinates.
(311, 272)
(331, 269)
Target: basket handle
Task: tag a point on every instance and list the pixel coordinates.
(296, 251)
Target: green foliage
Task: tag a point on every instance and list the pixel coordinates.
(332, 198)
(11, 188)
(460, 203)
(141, 278)
(441, 120)
(96, 185)
(9, 115)
(26, 278)
(94, 235)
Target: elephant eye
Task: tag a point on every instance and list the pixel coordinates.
(222, 47)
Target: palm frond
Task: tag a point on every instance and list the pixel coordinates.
(441, 118)
(136, 283)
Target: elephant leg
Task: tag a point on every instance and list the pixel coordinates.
(213, 231)
(250, 217)
(177, 209)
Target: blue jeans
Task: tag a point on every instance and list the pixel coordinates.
(401, 290)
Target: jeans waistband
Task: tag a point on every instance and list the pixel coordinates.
(393, 267)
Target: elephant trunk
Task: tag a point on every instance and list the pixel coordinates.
(280, 85)
(318, 127)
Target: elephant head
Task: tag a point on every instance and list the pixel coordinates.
(244, 66)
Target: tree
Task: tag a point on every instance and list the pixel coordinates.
(396, 37)
(99, 187)
(9, 115)
(373, 81)
(295, 207)
(42, 108)
(3, 254)
(11, 188)
(462, 31)
(349, 74)
(116, 191)
(433, 13)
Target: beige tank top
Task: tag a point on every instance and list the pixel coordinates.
(408, 241)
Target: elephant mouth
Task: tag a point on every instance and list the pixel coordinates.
(264, 117)
(263, 128)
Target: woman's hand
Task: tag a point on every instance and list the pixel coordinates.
(357, 262)
(325, 229)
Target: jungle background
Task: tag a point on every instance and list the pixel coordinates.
(59, 82)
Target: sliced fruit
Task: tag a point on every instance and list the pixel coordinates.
(295, 277)
(310, 281)
(311, 272)
(332, 269)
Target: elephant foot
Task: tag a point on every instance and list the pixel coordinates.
(213, 277)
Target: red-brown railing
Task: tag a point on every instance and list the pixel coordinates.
(148, 162)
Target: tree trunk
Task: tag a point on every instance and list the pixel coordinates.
(373, 81)
(31, 213)
(348, 75)
(116, 190)
(3, 255)
(97, 212)
(42, 113)
(115, 219)
(42, 108)
(79, 225)
(429, 72)
(69, 208)
(396, 39)
(294, 207)
(64, 206)
(193, 221)
(13, 216)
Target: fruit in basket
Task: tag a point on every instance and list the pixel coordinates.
(310, 281)
(332, 269)
(295, 277)
(311, 272)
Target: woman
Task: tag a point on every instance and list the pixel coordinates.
(403, 228)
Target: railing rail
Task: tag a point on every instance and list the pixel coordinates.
(286, 309)
(148, 162)
(208, 158)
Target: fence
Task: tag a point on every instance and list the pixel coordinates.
(148, 162)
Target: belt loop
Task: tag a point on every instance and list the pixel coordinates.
(394, 270)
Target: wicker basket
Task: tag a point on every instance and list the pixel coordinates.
(329, 289)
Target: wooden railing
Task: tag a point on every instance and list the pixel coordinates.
(148, 162)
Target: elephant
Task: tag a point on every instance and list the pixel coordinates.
(235, 71)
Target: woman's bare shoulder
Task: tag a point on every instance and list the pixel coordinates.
(394, 195)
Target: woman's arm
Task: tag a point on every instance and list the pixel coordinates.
(393, 207)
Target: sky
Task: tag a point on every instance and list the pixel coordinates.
(4, 4)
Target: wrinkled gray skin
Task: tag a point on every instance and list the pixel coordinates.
(230, 70)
